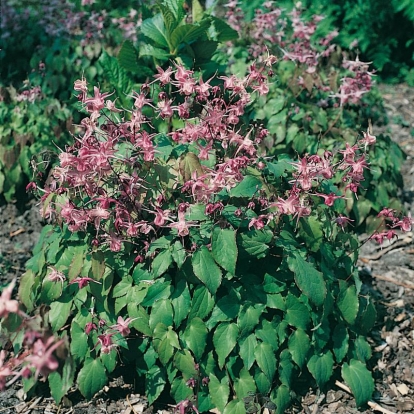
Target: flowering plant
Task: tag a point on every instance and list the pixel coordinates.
(322, 96)
(177, 246)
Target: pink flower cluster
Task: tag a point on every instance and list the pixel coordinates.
(114, 146)
(357, 84)
(272, 30)
(392, 223)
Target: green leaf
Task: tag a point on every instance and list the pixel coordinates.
(195, 337)
(321, 367)
(224, 340)
(363, 349)
(348, 303)
(359, 380)
(26, 289)
(227, 309)
(185, 363)
(311, 231)
(61, 381)
(149, 50)
(286, 368)
(154, 28)
(282, 399)
(223, 31)
(279, 168)
(179, 253)
(297, 314)
(248, 187)
(76, 265)
(176, 7)
(115, 74)
(308, 279)
(202, 303)
(299, 345)
(224, 248)
(156, 291)
(181, 301)
(268, 334)
(141, 318)
(235, 407)
(265, 358)
(161, 263)
(79, 341)
(161, 312)
(262, 382)
(109, 360)
(246, 352)
(197, 10)
(206, 269)
(170, 20)
(128, 56)
(219, 391)
(122, 288)
(154, 383)
(98, 265)
(254, 242)
(187, 33)
(249, 318)
(340, 342)
(59, 314)
(367, 315)
(91, 378)
(244, 384)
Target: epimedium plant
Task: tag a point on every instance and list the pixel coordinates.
(178, 247)
(28, 121)
(321, 97)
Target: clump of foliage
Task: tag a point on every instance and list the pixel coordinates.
(182, 245)
(321, 97)
(49, 43)
(179, 248)
(31, 125)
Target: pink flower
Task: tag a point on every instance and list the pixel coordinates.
(8, 305)
(342, 221)
(122, 325)
(96, 103)
(5, 370)
(90, 326)
(106, 343)
(55, 276)
(42, 358)
(163, 76)
(83, 281)
(330, 198)
(405, 224)
(182, 225)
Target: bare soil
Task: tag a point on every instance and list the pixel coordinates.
(388, 276)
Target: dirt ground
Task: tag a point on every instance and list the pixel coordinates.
(388, 274)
